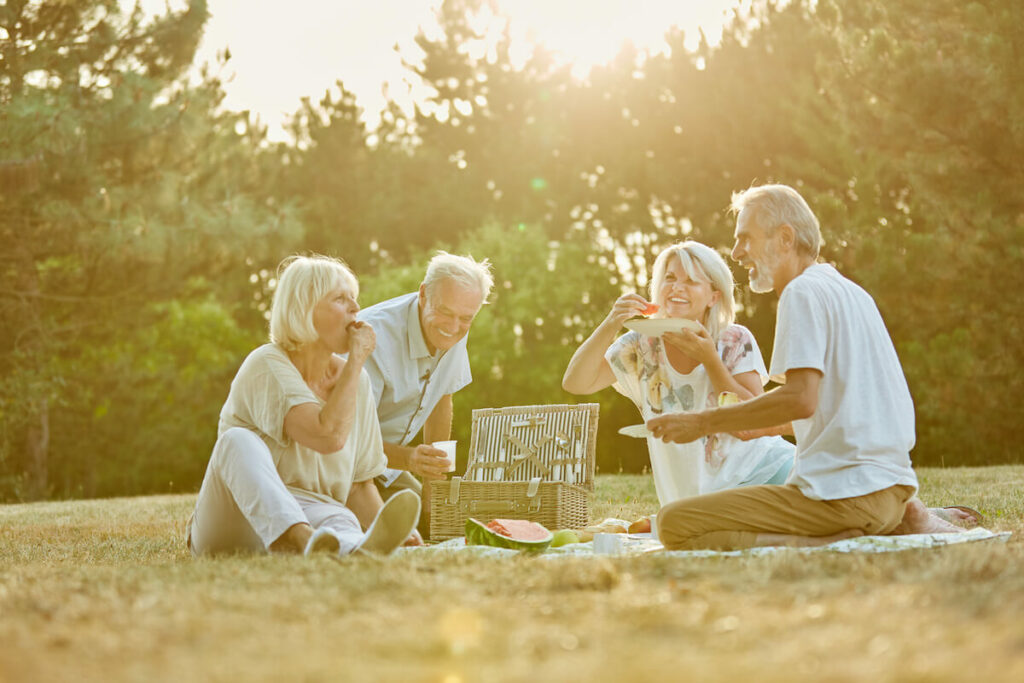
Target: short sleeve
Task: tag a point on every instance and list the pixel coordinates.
(740, 353)
(461, 376)
(624, 358)
(267, 387)
(369, 447)
(801, 330)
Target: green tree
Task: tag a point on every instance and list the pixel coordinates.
(137, 204)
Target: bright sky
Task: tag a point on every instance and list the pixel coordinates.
(282, 51)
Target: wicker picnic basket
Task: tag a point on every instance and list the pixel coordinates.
(525, 462)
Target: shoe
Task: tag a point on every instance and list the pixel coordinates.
(392, 526)
(323, 540)
(943, 513)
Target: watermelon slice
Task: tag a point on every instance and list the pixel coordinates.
(650, 309)
(515, 534)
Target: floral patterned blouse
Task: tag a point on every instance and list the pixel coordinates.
(644, 374)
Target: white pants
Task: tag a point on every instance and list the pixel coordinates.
(244, 506)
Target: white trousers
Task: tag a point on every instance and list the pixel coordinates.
(244, 506)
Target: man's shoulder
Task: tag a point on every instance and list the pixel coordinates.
(388, 316)
(388, 307)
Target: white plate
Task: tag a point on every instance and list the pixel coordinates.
(636, 431)
(655, 327)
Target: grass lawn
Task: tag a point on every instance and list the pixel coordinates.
(104, 590)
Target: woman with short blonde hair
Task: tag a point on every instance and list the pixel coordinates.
(298, 439)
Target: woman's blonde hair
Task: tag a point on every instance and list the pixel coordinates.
(703, 263)
(302, 281)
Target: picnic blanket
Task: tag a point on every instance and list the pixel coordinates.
(640, 544)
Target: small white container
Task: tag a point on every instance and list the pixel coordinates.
(654, 526)
(607, 544)
(449, 449)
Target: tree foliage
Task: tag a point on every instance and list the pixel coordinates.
(141, 223)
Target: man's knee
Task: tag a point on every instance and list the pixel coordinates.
(674, 524)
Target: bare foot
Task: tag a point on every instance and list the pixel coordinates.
(960, 516)
(918, 520)
(293, 540)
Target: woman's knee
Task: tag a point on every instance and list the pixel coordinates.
(239, 444)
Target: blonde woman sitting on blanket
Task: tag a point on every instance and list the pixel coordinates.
(685, 372)
(298, 440)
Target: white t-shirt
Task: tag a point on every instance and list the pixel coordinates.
(858, 441)
(266, 387)
(644, 374)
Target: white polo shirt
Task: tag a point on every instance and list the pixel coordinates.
(407, 380)
(858, 441)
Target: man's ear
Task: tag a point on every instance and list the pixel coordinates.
(422, 296)
(787, 236)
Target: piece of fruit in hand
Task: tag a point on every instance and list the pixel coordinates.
(650, 309)
(727, 398)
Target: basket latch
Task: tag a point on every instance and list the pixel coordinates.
(453, 491)
(531, 490)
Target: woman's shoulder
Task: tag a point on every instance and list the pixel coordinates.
(735, 334)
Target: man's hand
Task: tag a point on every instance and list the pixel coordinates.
(677, 428)
(428, 462)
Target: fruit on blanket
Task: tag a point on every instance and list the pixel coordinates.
(564, 537)
(516, 534)
(727, 398)
(650, 309)
(641, 526)
(608, 526)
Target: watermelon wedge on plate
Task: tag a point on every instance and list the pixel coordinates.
(514, 534)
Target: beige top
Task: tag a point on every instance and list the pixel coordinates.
(266, 387)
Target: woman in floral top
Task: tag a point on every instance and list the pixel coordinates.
(686, 371)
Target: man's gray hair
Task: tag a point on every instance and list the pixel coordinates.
(770, 206)
(461, 269)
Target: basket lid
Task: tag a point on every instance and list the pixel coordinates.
(520, 443)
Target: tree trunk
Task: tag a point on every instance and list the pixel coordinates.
(37, 447)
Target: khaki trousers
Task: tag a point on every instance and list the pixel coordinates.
(732, 519)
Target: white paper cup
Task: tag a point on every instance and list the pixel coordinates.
(607, 544)
(449, 449)
(654, 527)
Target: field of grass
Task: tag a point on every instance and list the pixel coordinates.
(105, 590)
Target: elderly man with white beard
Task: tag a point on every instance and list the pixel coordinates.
(842, 387)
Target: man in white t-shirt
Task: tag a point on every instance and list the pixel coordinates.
(421, 360)
(843, 389)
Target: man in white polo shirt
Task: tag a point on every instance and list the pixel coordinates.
(421, 360)
(843, 389)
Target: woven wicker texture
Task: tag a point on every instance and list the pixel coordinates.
(525, 462)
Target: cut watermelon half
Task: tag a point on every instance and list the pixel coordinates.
(515, 534)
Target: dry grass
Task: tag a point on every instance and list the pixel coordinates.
(105, 590)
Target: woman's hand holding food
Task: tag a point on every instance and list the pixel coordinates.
(361, 341)
(629, 306)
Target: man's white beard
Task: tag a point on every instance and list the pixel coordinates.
(764, 271)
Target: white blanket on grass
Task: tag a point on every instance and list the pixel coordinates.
(640, 544)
